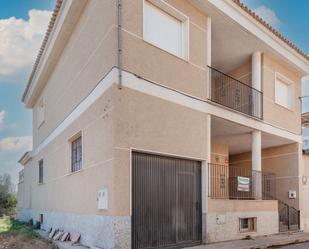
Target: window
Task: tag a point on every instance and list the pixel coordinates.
(21, 176)
(77, 156)
(284, 91)
(41, 171)
(166, 27)
(41, 218)
(40, 112)
(247, 224)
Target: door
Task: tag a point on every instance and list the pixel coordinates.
(166, 201)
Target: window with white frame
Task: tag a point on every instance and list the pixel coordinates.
(40, 112)
(247, 224)
(165, 27)
(284, 91)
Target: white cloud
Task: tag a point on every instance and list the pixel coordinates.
(268, 15)
(16, 143)
(20, 41)
(3, 115)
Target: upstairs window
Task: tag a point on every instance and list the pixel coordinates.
(77, 154)
(165, 27)
(284, 92)
(40, 112)
(41, 171)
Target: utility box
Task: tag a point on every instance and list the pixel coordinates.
(103, 199)
(292, 194)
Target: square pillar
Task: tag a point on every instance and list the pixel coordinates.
(257, 164)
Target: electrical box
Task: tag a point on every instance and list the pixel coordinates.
(103, 199)
(220, 219)
(292, 194)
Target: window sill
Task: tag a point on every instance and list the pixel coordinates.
(185, 58)
(284, 107)
(75, 172)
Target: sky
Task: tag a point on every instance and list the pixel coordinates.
(22, 27)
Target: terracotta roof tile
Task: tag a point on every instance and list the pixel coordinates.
(270, 28)
(42, 48)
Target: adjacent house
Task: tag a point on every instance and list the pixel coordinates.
(164, 124)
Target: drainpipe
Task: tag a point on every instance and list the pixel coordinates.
(119, 44)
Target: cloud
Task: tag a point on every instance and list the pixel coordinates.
(20, 41)
(3, 115)
(16, 143)
(268, 15)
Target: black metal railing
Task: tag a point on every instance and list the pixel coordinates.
(289, 217)
(232, 93)
(230, 182)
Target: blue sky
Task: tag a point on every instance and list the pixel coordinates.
(22, 26)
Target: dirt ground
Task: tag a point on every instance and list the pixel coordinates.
(14, 235)
(17, 241)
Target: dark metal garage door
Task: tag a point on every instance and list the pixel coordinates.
(166, 202)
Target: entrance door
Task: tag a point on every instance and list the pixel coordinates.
(166, 205)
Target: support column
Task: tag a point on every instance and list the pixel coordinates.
(208, 56)
(256, 83)
(206, 178)
(257, 163)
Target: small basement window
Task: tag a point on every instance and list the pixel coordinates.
(76, 153)
(247, 224)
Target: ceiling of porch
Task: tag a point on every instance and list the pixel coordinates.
(238, 137)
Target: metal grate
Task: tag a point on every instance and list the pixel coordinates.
(289, 217)
(232, 93)
(166, 201)
(223, 182)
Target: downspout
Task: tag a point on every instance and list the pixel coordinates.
(119, 44)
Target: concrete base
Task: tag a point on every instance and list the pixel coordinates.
(223, 218)
(110, 232)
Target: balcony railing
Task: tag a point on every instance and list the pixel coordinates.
(230, 182)
(234, 94)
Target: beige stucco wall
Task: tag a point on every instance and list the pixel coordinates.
(87, 57)
(223, 218)
(63, 191)
(151, 62)
(147, 123)
(272, 112)
(305, 188)
(285, 163)
(117, 122)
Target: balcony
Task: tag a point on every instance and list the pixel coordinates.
(234, 94)
(230, 182)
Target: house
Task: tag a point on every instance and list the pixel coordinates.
(164, 124)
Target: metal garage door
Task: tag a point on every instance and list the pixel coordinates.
(166, 202)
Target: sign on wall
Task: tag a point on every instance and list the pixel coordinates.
(243, 184)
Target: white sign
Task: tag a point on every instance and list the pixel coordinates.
(243, 184)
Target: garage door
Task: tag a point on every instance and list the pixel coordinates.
(166, 206)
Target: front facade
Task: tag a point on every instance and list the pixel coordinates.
(154, 125)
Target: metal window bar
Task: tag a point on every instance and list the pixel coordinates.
(223, 181)
(77, 154)
(41, 172)
(234, 94)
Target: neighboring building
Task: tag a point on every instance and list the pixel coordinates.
(167, 123)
